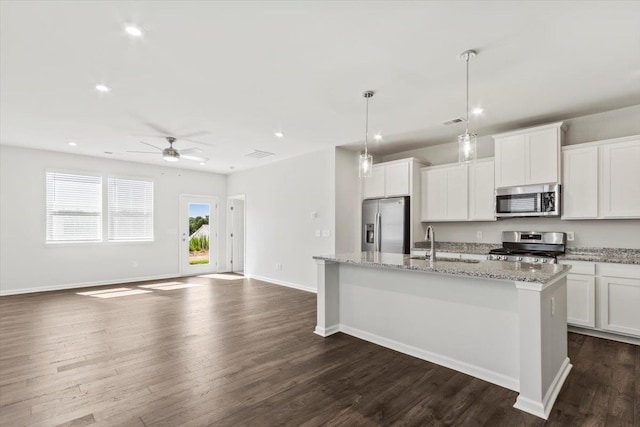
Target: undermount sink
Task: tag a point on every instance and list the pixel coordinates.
(439, 259)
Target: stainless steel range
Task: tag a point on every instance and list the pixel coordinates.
(530, 246)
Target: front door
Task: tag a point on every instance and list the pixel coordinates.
(198, 235)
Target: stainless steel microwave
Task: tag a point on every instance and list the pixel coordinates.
(530, 200)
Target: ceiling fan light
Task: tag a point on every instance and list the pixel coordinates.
(170, 155)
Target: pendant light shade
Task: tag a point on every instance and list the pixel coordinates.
(365, 166)
(467, 142)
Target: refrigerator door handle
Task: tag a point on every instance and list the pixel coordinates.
(378, 238)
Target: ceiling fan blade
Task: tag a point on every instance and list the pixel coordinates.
(195, 158)
(143, 152)
(150, 145)
(158, 128)
(198, 142)
(192, 134)
(193, 150)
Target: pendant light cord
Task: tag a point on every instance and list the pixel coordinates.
(467, 122)
(366, 128)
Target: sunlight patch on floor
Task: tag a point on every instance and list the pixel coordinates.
(169, 286)
(222, 276)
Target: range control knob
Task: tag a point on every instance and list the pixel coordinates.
(544, 261)
(519, 258)
(536, 260)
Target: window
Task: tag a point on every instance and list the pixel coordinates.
(74, 207)
(130, 209)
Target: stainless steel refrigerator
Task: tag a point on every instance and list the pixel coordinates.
(385, 225)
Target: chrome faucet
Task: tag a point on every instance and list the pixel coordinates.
(431, 235)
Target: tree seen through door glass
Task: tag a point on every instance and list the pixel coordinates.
(199, 233)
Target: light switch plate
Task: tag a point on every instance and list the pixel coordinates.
(317, 233)
(570, 236)
(326, 233)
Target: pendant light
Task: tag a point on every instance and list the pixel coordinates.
(366, 160)
(467, 142)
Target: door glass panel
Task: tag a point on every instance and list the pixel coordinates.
(199, 233)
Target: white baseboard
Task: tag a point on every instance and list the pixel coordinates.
(283, 283)
(543, 409)
(438, 359)
(6, 292)
(325, 332)
(602, 334)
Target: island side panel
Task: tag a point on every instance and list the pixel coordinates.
(328, 299)
(465, 323)
(544, 364)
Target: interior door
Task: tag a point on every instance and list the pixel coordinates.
(198, 235)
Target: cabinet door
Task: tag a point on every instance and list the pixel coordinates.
(543, 149)
(374, 186)
(434, 194)
(510, 161)
(621, 179)
(581, 303)
(580, 183)
(397, 180)
(619, 305)
(481, 191)
(457, 193)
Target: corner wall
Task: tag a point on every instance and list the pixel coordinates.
(27, 264)
(281, 199)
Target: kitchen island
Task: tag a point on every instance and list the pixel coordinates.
(502, 322)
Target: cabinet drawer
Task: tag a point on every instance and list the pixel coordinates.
(581, 267)
(629, 271)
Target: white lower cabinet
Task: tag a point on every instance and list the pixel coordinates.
(581, 300)
(620, 305)
(604, 297)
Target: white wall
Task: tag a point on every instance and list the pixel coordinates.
(280, 200)
(348, 202)
(28, 264)
(594, 233)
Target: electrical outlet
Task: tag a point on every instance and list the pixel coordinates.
(479, 235)
(570, 236)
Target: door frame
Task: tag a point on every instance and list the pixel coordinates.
(230, 229)
(214, 250)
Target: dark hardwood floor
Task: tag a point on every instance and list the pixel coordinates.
(242, 352)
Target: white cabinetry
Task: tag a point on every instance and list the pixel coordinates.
(580, 179)
(388, 180)
(481, 191)
(528, 156)
(619, 298)
(458, 192)
(581, 294)
(604, 297)
(602, 179)
(621, 179)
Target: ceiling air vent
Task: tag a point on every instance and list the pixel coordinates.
(257, 154)
(453, 121)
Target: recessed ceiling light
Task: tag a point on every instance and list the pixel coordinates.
(202, 163)
(477, 111)
(377, 137)
(71, 143)
(101, 87)
(132, 30)
(279, 134)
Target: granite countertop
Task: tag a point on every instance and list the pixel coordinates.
(611, 255)
(498, 270)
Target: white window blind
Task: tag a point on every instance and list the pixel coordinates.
(74, 207)
(130, 209)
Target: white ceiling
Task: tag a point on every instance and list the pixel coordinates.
(241, 70)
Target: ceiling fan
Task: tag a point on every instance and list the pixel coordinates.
(171, 154)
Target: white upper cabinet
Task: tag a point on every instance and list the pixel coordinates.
(602, 179)
(458, 192)
(580, 179)
(374, 185)
(481, 191)
(528, 156)
(621, 179)
(396, 179)
(389, 179)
